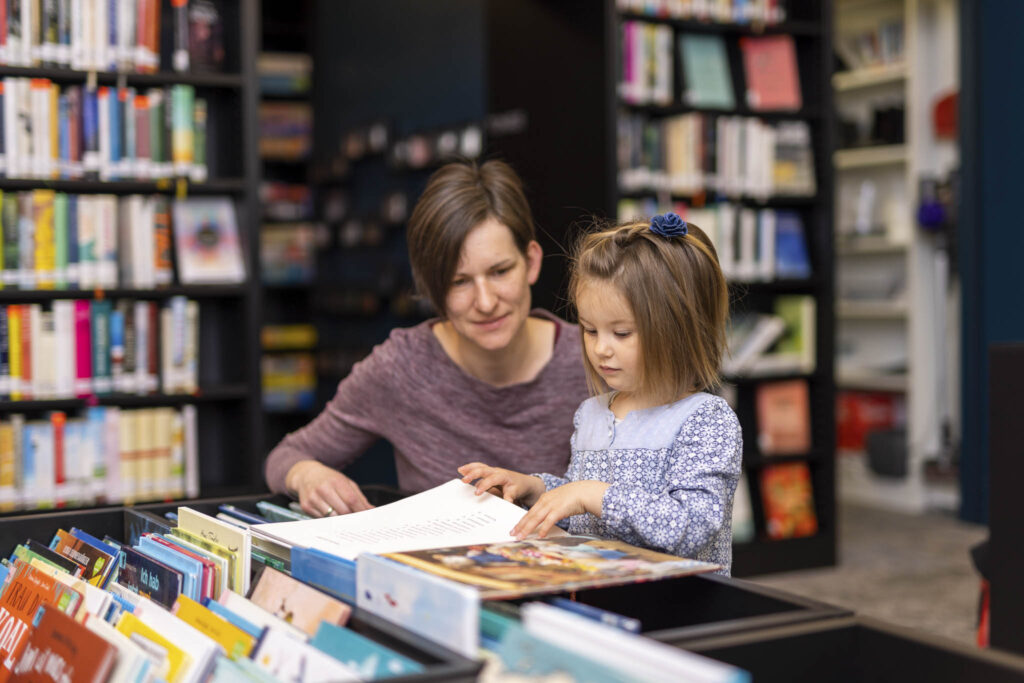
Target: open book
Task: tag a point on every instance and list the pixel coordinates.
(446, 515)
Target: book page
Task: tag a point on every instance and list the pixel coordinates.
(446, 515)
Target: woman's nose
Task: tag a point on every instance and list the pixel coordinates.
(485, 298)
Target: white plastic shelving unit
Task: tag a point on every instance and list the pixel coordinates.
(896, 331)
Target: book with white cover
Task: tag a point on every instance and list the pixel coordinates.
(446, 515)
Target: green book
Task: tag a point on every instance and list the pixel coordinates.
(60, 240)
(705, 67)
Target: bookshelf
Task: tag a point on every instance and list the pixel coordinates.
(896, 311)
(287, 251)
(808, 24)
(221, 394)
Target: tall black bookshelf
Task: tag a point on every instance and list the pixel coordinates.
(227, 398)
(568, 156)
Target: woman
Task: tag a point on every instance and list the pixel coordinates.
(489, 379)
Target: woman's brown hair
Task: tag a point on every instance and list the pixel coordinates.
(679, 299)
(460, 196)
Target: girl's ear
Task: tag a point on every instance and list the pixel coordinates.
(534, 255)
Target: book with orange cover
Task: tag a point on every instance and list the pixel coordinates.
(788, 500)
(783, 417)
(60, 649)
(769, 63)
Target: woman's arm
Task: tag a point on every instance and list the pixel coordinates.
(700, 480)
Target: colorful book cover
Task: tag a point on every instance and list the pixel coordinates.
(547, 565)
(98, 564)
(296, 603)
(206, 239)
(67, 564)
(148, 577)
(191, 569)
(787, 496)
(60, 649)
(237, 541)
(783, 417)
(288, 660)
(368, 658)
(236, 642)
(178, 660)
(227, 570)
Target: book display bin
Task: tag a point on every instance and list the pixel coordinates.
(440, 663)
(855, 650)
(675, 611)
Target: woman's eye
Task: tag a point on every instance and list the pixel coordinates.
(502, 271)
(459, 283)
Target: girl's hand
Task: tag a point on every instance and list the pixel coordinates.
(324, 491)
(567, 500)
(512, 486)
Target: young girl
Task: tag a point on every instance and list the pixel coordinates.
(655, 461)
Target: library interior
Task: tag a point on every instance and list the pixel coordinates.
(304, 304)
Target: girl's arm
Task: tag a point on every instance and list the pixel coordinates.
(700, 480)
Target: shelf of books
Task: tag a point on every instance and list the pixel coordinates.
(896, 69)
(123, 201)
(288, 229)
(723, 117)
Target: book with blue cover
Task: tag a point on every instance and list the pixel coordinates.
(191, 569)
(791, 258)
(367, 657)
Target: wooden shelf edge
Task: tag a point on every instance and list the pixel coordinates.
(867, 77)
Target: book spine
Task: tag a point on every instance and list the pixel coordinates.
(104, 154)
(26, 243)
(45, 242)
(5, 363)
(179, 54)
(90, 132)
(27, 352)
(73, 243)
(102, 382)
(190, 429)
(199, 141)
(182, 135)
(83, 349)
(11, 262)
(65, 352)
(60, 240)
(163, 248)
(117, 349)
(14, 349)
(58, 422)
(3, 122)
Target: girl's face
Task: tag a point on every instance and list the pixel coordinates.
(609, 335)
(489, 298)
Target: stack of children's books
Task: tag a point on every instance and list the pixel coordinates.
(235, 597)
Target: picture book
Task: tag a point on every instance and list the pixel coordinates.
(296, 603)
(368, 658)
(235, 642)
(795, 349)
(208, 583)
(190, 568)
(238, 542)
(150, 639)
(290, 660)
(206, 240)
(133, 663)
(783, 417)
(98, 564)
(201, 648)
(223, 558)
(705, 69)
(46, 554)
(254, 614)
(770, 66)
(150, 578)
(95, 600)
(536, 566)
(788, 500)
(447, 515)
(60, 650)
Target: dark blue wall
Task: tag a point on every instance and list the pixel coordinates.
(991, 219)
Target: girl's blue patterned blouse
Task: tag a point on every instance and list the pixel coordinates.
(673, 471)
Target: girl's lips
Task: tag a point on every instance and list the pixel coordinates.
(605, 368)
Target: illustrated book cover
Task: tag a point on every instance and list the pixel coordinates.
(788, 499)
(547, 565)
(296, 603)
(783, 417)
(207, 242)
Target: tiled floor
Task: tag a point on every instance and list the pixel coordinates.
(910, 570)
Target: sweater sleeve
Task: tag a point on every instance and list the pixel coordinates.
(702, 470)
(348, 425)
(553, 481)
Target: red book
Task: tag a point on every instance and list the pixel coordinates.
(58, 420)
(60, 650)
(773, 82)
(788, 500)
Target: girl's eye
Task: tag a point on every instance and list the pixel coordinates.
(587, 330)
(623, 333)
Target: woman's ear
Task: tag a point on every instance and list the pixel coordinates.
(534, 255)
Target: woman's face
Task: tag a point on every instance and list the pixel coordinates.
(489, 297)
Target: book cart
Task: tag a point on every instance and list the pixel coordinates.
(440, 664)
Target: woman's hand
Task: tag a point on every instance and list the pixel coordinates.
(323, 491)
(567, 500)
(512, 486)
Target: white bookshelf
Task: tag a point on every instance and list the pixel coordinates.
(903, 340)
